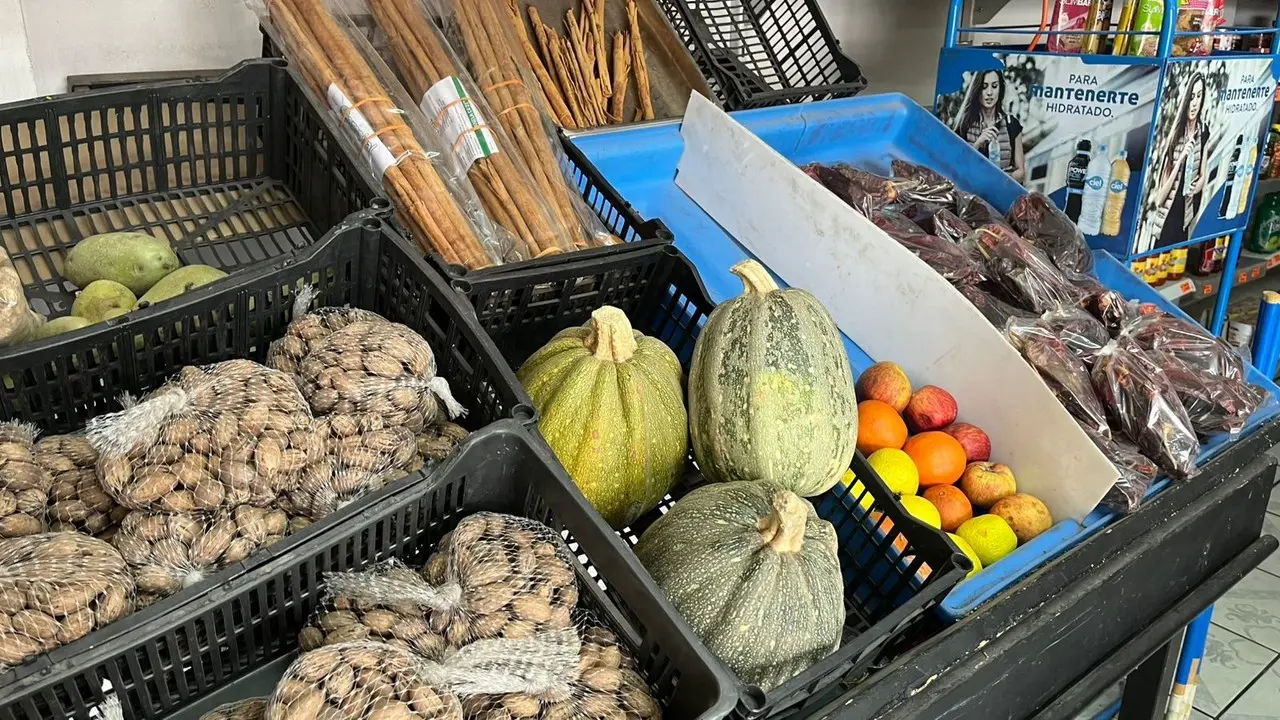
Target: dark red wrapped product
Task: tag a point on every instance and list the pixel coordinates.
(1115, 312)
(1214, 404)
(977, 212)
(995, 310)
(947, 259)
(948, 226)
(925, 175)
(1024, 272)
(1042, 224)
(845, 189)
(930, 187)
(1062, 371)
(1136, 471)
(1082, 333)
(1187, 341)
(884, 190)
(1143, 403)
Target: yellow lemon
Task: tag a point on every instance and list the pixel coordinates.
(897, 469)
(989, 536)
(967, 549)
(923, 510)
(857, 490)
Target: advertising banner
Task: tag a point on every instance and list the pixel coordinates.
(1071, 127)
(1210, 128)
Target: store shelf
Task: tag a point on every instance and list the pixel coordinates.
(1250, 268)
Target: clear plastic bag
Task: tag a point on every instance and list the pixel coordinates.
(948, 226)
(1142, 403)
(1023, 271)
(931, 187)
(977, 212)
(1214, 404)
(380, 368)
(24, 484)
(996, 311)
(946, 258)
(55, 589)
(1187, 341)
(400, 150)
(846, 189)
(212, 437)
(1115, 312)
(1042, 224)
(1083, 334)
(249, 709)
(77, 501)
(18, 322)
(1136, 472)
(493, 576)
(169, 552)
(1061, 370)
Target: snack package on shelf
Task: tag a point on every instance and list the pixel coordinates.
(1061, 370)
(1141, 401)
(1083, 334)
(1136, 470)
(402, 152)
(1024, 272)
(1042, 224)
(946, 258)
(57, 588)
(24, 484)
(18, 322)
(168, 552)
(948, 226)
(77, 501)
(212, 437)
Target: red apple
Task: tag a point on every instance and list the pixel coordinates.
(930, 408)
(976, 444)
(886, 382)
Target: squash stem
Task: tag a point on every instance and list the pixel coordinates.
(611, 337)
(755, 279)
(783, 528)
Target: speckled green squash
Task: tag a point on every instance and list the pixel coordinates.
(770, 390)
(612, 408)
(755, 573)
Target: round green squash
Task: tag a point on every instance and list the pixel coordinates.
(755, 572)
(770, 390)
(611, 406)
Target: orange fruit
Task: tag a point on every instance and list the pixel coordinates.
(879, 427)
(938, 456)
(952, 505)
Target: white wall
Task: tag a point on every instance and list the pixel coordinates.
(16, 79)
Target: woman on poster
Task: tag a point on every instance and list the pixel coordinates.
(1179, 195)
(988, 128)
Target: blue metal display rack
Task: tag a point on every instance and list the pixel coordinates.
(1133, 102)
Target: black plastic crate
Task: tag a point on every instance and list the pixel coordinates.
(162, 654)
(895, 568)
(761, 53)
(246, 632)
(618, 216)
(234, 172)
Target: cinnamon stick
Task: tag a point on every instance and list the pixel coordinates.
(643, 96)
(602, 50)
(550, 90)
(621, 75)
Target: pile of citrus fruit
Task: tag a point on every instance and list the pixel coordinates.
(941, 469)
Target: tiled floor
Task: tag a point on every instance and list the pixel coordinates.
(1240, 674)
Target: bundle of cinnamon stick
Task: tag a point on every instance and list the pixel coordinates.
(584, 81)
(319, 49)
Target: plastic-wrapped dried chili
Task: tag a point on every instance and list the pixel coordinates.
(1143, 403)
(1214, 404)
(995, 310)
(931, 187)
(1062, 371)
(1187, 341)
(1083, 334)
(1136, 472)
(1041, 223)
(1115, 312)
(845, 189)
(1031, 280)
(886, 190)
(948, 226)
(976, 211)
(946, 258)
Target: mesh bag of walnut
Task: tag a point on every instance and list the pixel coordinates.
(493, 576)
(216, 436)
(78, 502)
(24, 485)
(169, 552)
(376, 367)
(56, 588)
(309, 328)
(250, 709)
(363, 454)
(604, 684)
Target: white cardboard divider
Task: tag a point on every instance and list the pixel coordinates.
(892, 304)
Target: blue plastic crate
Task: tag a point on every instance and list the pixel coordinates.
(867, 132)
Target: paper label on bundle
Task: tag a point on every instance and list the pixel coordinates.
(376, 152)
(458, 121)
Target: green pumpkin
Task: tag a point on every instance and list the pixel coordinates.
(755, 572)
(770, 390)
(611, 406)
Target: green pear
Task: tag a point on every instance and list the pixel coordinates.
(57, 326)
(100, 297)
(182, 280)
(135, 260)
